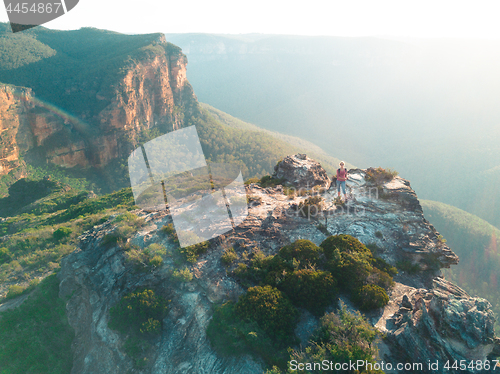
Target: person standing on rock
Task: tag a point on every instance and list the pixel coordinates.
(341, 178)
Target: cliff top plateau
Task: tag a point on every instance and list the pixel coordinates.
(425, 317)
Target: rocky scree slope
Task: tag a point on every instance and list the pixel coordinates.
(427, 318)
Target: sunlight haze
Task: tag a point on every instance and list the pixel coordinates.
(355, 18)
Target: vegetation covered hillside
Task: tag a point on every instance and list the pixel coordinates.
(43, 221)
(477, 243)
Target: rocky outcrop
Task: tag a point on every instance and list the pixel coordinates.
(441, 324)
(427, 317)
(152, 94)
(301, 172)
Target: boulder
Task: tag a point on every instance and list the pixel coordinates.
(301, 172)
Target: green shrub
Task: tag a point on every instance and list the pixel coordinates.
(136, 348)
(268, 181)
(230, 335)
(5, 255)
(370, 297)
(150, 326)
(255, 273)
(147, 259)
(271, 309)
(408, 266)
(302, 250)
(273, 271)
(192, 252)
(252, 180)
(155, 261)
(310, 289)
(380, 278)
(62, 232)
(355, 268)
(379, 235)
(129, 220)
(169, 230)
(342, 337)
(345, 243)
(321, 227)
(229, 256)
(127, 224)
(135, 310)
(380, 175)
(118, 236)
(155, 249)
(14, 291)
(183, 275)
(348, 260)
(111, 239)
(114, 200)
(381, 264)
(138, 316)
(126, 217)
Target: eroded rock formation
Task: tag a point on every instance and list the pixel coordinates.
(301, 172)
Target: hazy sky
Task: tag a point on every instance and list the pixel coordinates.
(423, 18)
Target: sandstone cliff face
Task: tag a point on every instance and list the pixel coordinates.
(427, 318)
(14, 123)
(153, 93)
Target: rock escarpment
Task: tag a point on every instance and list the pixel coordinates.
(150, 92)
(436, 319)
(14, 125)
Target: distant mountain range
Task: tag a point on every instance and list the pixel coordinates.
(427, 108)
